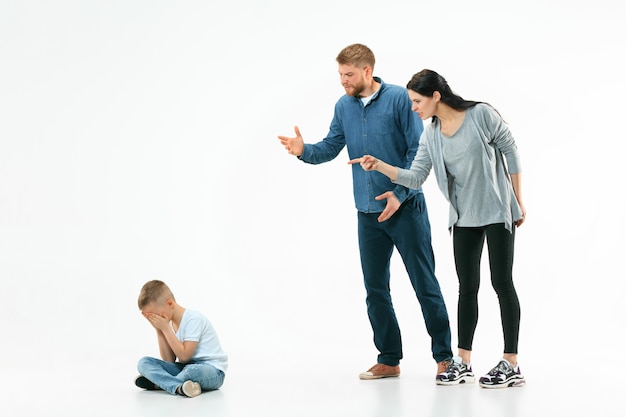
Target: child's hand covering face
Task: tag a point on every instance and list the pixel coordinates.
(159, 322)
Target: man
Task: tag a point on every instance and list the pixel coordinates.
(375, 118)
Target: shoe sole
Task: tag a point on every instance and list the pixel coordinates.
(461, 380)
(366, 377)
(508, 384)
(191, 389)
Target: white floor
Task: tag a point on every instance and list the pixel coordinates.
(308, 390)
(295, 349)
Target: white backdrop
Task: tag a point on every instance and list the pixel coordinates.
(138, 141)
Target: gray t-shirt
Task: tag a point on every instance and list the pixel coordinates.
(470, 168)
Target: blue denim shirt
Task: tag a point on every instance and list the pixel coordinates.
(385, 128)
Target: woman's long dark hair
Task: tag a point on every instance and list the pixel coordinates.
(426, 82)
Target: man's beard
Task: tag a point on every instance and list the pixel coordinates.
(356, 90)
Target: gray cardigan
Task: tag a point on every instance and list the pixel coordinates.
(470, 168)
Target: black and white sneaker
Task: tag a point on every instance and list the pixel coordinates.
(503, 376)
(456, 373)
(145, 383)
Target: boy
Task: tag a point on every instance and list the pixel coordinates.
(182, 334)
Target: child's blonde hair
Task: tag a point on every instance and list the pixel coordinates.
(154, 291)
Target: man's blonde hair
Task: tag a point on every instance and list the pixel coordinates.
(154, 291)
(358, 55)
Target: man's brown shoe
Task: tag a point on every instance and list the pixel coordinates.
(443, 365)
(380, 371)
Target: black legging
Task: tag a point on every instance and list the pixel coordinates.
(468, 247)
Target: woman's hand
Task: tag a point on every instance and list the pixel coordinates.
(368, 162)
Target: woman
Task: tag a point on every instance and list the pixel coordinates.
(466, 145)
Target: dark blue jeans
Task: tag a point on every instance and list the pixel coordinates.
(409, 231)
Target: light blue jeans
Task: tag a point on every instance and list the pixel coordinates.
(171, 375)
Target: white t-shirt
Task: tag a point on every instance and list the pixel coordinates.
(194, 327)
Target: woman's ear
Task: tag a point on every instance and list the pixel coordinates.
(437, 96)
